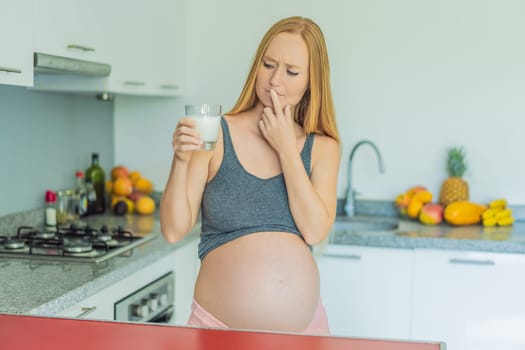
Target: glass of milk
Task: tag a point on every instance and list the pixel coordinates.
(207, 119)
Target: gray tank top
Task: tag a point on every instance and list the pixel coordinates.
(236, 203)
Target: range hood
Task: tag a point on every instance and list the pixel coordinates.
(51, 64)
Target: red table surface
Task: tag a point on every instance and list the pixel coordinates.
(34, 332)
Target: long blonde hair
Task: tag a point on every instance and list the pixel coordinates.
(315, 112)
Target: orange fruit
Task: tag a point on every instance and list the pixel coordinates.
(119, 171)
(143, 185)
(145, 205)
(134, 176)
(122, 186)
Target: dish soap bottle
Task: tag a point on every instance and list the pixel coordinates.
(95, 174)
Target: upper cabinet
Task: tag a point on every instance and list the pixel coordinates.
(141, 40)
(145, 42)
(66, 28)
(16, 57)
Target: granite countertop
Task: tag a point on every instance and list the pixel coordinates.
(412, 234)
(41, 287)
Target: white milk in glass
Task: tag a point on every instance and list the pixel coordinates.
(208, 127)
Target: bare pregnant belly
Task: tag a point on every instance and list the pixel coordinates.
(265, 281)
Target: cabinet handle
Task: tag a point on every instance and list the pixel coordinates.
(86, 311)
(80, 47)
(169, 86)
(344, 256)
(486, 262)
(134, 83)
(10, 70)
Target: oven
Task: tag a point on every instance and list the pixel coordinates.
(152, 303)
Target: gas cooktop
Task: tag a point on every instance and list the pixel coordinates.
(74, 242)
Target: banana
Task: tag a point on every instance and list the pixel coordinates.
(506, 221)
(498, 203)
(505, 213)
(489, 222)
(490, 213)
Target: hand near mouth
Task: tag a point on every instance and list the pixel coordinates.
(277, 125)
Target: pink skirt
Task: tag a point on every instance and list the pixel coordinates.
(199, 317)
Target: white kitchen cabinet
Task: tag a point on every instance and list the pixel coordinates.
(142, 41)
(145, 43)
(16, 58)
(186, 268)
(470, 300)
(367, 291)
(69, 28)
(97, 307)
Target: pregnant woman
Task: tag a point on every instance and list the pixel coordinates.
(266, 193)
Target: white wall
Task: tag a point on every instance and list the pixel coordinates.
(44, 139)
(414, 76)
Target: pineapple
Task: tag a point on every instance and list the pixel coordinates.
(454, 188)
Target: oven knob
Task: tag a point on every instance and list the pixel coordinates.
(141, 310)
(163, 299)
(153, 303)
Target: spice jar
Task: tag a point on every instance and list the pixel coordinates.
(66, 206)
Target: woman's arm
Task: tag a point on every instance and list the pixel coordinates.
(313, 200)
(182, 195)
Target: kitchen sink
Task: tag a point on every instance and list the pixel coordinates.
(365, 225)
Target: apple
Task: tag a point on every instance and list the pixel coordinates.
(135, 196)
(119, 171)
(431, 214)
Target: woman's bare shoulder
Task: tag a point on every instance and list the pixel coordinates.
(325, 151)
(323, 144)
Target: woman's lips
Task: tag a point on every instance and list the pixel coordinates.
(278, 94)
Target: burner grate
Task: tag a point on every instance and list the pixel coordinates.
(75, 242)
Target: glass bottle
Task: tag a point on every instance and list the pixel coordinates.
(51, 211)
(91, 197)
(96, 175)
(81, 207)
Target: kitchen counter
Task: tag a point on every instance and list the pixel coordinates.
(38, 287)
(31, 332)
(411, 235)
(42, 287)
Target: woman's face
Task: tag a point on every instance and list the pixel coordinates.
(284, 68)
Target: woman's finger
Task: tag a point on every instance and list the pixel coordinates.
(276, 103)
(288, 113)
(262, 127)
(269, 116)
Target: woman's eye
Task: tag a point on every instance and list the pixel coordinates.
(293, 74)
(267, 65)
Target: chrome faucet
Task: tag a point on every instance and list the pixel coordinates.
(349, 192)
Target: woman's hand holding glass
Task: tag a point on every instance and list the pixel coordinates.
(185, 139)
